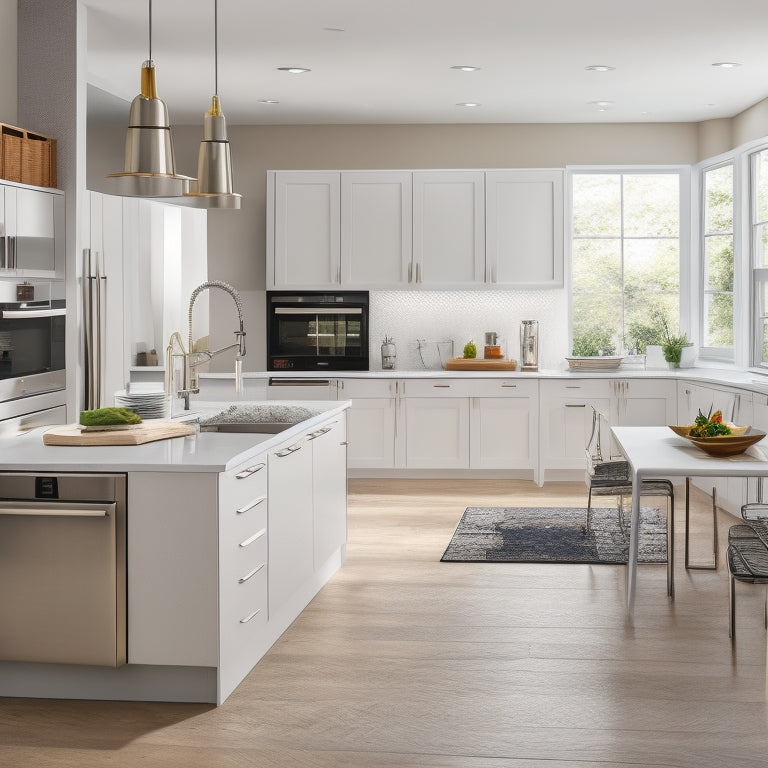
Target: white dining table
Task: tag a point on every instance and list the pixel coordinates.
(657, 452)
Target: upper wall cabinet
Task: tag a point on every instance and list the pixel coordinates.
(448, 227)
(376, 228)
(31, 232)
(414, 229)
(306, 229)
(524, 228)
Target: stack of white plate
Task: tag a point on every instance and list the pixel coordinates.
(149, 405)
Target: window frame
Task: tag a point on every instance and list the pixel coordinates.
(757, 275)
(684, 234)
(705, 352)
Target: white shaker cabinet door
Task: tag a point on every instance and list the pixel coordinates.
(329, 488)
(304, 229)
(448, 227)
(291, 538)
(437, 432)
(376, 229)
(524, 228)
(501, 433)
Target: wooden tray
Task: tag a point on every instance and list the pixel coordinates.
(146, 432)
(479, 364)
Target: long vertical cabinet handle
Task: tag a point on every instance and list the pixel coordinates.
(12, 263)
(88, 328)
(101, 319)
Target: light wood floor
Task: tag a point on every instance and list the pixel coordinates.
(406, 661)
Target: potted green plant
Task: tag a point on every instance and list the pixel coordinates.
(672, 346)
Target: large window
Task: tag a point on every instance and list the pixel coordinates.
(717, 261)
(626, 260)
(759, 227)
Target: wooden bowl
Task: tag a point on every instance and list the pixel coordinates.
(684, 431)
(727, 445)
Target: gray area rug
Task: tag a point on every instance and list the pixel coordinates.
(553, 535)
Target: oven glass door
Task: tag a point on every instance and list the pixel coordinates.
(319, 332)
(31, 338)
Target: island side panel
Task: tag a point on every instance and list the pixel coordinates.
(173, 568)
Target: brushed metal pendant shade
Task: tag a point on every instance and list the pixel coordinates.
(214, 164)
(150, 167)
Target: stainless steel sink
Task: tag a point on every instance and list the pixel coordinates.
(255, 427)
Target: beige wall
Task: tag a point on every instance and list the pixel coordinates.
(751, 124)
(8, 66)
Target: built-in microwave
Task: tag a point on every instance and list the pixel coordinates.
(317, 330)
(32, 341)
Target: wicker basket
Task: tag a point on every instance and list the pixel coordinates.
(26, 157)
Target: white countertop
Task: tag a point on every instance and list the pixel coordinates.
(711, 375)
(201, 452)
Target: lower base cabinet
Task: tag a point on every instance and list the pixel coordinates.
(221, 564)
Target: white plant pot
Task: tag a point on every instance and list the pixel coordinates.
(688, 358)
(654, 358)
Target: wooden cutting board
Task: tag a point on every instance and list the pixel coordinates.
(146, 432)
(479, 364)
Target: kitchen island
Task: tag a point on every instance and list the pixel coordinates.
(230, 535)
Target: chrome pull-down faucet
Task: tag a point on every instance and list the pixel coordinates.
(192, 359)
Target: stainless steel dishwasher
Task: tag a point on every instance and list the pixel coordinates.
(63, 568)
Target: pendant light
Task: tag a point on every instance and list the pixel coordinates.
(214, 165)
(150, 169)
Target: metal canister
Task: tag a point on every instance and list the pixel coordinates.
(529, 345)
(388, 354)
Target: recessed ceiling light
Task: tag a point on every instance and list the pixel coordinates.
(599, 68)
(468, 104)
(465, 68)
(600, 103)
(294, 70)
(726, 64)
(267, 101)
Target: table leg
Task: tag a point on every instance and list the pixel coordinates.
(634, 537)
(688, 564)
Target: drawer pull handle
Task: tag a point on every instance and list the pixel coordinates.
(250, 616)
(250, 505)
(442, 386)
(247, 542)
(250, 575)
(250, 471)
(573, 386)
(509, 386)
(288, 451)
(575, 405)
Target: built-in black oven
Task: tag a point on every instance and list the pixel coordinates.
(317, 330)
(31, 346)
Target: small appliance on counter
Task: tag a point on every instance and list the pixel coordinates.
(529, 345)
(492, 349)
(388, 354)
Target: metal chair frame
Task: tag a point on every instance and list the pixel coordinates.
(610, 477)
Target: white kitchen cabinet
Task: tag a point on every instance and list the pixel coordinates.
(736, 406)
(524, 228)
(372, 421)
(436, 417)
(504, 425)
(566, 423)
(304, 229)
(376, 228)
(291, 527)
(329, 488)
(243, 568)
(32, 242)
(448, 228)
(643, 402)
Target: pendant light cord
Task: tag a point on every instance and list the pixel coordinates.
(150, 30)
(215, 46)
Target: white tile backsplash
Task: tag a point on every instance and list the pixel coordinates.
(437, 316)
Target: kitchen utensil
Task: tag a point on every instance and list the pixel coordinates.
(529, 345)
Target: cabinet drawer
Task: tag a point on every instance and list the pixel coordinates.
(351, 388)
(437, 387)
(246, 605)
(577, 388)
(241, 485)
(504, 388)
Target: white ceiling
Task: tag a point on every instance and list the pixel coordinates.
(392, 61)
